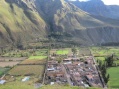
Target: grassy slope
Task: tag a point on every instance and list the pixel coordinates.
(15, 20)
(23, 86)
(76, 20)
(63, 87)
(16, 85)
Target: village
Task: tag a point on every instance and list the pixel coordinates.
(57, 66)
(73, 70)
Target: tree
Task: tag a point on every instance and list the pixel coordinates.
(19, 43)
(107, 78)
(74, 51)
(103, 69)
(109, 61)
(100, 64)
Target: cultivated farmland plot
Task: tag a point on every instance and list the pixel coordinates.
(35, 60)
(22, 70)
(64, 51)
(6, 64)
(3, 70)
(114, 77)
(10, 61)
(84, 52)
(5, 59)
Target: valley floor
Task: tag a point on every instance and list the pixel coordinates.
(33, 68)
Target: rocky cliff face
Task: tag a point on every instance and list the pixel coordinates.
(28, 20)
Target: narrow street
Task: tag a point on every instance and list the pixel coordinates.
(67, 75)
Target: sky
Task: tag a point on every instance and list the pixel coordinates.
(111, 2)
(107, 2)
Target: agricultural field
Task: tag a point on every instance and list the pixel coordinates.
(38, 57)
(64, 51)
(16, 85)
(84, 52)
(105, 51)
(6, 59)
(40, 52)
(3, 70)
(22, 70)
(101, 53)
(8, 64)
(18, 53)
(114, 77)
(35, 60)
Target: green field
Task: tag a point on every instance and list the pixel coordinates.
(101, 53)
(114, 77)
(16, 85)
(64, 87)
(24, 86)
(105, 51)
(37, 57)
(62, 52)
(17, 53)
(35, 60)
(3, 70)
(59, 87)
(100, 58)
(42, 52)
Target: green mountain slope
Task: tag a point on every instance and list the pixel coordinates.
(66, 16)
(29, 20)
(18, 22)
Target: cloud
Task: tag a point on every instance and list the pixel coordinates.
(107, 2)
(111, 2)
(84, 0)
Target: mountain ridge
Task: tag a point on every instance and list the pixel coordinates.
(29, 20)
(97, 7)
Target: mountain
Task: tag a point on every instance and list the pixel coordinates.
(29, 20)
(97, 7)
(19, 22)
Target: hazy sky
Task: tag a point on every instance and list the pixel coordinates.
(107, 2)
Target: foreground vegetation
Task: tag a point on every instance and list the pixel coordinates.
(101, 55)
(114, 77)
(3, 70)
(16, 85)
(30, 66)
(24, 86)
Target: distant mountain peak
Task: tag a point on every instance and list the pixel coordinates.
(97, 7)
